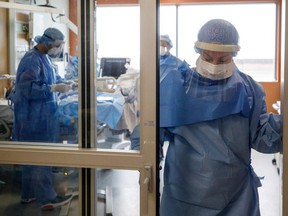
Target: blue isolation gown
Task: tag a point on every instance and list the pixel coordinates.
(213, 125)
(34, 104)
(168, 63)
(34, 120)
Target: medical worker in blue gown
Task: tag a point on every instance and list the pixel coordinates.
(215, 115)
(168, 61)
(37, 85)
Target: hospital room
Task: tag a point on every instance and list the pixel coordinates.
(143, 108)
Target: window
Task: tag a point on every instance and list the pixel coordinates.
(119, 36)
(256, 25)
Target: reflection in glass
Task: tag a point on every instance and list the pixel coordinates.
(118, 75)
(24, 194)
(118, 192)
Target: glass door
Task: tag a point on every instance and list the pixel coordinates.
(105, 150)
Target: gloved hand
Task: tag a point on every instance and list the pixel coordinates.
(61, 87)
(74, 85)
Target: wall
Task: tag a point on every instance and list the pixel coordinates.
(73, 18)
(47, 20)
(3, 48)
(272, 91)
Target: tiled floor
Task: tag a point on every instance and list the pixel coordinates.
(269, 193)
(123, 185)
(10, 195)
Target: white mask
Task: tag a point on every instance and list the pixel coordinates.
(214, 72)
(54, 52)
(163, 50)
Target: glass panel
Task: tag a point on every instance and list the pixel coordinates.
(202, 115)
(257, 29)
(118, 75)
(118, 192)
(32, 190)
(43, 96)
(168, 25)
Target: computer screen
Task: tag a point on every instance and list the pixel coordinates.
(113, 66)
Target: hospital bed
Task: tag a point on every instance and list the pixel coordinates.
(6, 120)
(116, 107)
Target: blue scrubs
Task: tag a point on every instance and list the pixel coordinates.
(34, 110)
(213, 125)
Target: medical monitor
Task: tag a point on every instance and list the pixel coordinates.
(113, 66)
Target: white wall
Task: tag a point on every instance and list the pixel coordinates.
(44, 20)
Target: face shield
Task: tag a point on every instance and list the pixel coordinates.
(56, 50)
(54, 38)
(165, 45)
(217, 47)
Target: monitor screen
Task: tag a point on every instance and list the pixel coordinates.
(113, 66)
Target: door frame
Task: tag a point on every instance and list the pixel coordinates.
(90, 158)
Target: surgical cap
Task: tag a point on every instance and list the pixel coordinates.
(218, 35)
(50, 36)
(167, 39)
